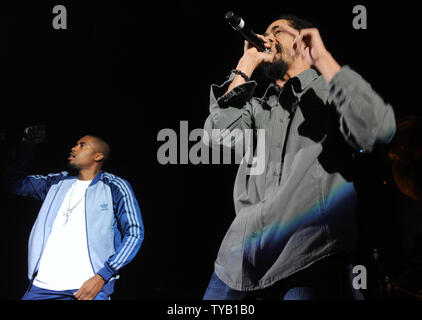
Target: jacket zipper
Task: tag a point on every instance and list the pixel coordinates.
(86, 231)
(43, 233)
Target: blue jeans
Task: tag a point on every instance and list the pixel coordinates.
(36, 293)
(328, 279)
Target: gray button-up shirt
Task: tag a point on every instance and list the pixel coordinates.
(300, 208)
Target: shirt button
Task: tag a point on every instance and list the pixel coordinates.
(278, 145)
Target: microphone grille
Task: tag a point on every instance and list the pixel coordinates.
(233, 19)
(229, 15)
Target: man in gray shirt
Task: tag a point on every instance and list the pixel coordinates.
(294, 227)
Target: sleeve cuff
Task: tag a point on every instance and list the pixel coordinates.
(240, 94)
(106, 273)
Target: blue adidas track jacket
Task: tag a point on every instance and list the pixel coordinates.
(114, 224)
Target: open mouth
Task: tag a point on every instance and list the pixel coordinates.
(71, 156)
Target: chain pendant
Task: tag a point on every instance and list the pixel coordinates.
(67, 215)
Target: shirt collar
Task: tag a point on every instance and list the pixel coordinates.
(298, 83)
(304, 79)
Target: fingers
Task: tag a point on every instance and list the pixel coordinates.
(82, 294)
(246, 46)
(267, 43)
(302, 33)
(77, 294)
(90, 288)
(309, 31)
(35, 130)
(306, 52)
(34, 134)
(289, 29)
(297, 45)
(305, 40)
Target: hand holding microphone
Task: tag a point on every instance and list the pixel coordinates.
(238, 24)
(34, 135)
(257, 49)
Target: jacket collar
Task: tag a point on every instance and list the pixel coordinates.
(99, 176)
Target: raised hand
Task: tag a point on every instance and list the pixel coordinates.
(34, 135)
(251, 59)
(309, 45)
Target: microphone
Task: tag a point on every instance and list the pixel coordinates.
(238, 24)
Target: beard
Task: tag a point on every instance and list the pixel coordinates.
(274, 70)
(73, 168)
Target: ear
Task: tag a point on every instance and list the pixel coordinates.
(99, 157)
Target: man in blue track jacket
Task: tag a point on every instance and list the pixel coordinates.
(89, 225)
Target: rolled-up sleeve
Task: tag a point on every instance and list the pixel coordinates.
(366, 121)
(229, 111)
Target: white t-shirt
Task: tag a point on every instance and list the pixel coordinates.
(65, 263)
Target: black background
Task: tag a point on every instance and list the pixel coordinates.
(125, 71)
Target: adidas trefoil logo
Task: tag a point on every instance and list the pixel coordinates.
(104, 206)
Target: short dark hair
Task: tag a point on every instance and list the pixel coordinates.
(102, 145)
(296, 22)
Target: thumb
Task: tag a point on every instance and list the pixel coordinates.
(307, 53)
(77, 294)
(296, 47)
